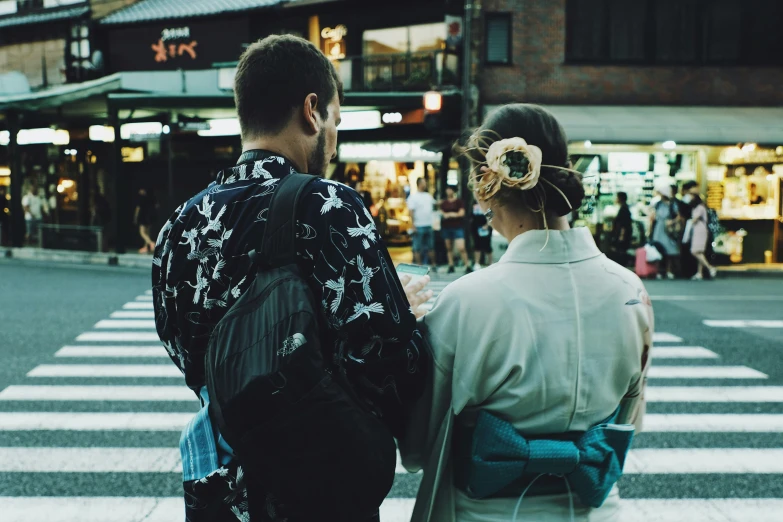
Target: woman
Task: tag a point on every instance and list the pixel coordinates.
(482, 238)
(451, 229)
(665, 224)
(699, 237)
(545, 344)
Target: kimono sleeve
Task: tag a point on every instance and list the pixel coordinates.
(362, 298)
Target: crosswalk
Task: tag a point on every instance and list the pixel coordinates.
(97, 426)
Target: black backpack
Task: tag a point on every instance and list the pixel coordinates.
(283, 402)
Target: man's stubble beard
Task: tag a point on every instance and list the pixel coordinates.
(317, 161)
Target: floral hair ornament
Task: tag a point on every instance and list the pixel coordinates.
(516, 164)
(511, 162)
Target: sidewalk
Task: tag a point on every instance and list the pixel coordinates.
(398, 255)
(141, 261)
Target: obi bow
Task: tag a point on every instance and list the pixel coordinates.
(591, 464)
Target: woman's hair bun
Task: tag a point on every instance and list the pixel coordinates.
(562, 191)
(569, 183)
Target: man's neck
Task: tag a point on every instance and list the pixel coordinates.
(281, 144)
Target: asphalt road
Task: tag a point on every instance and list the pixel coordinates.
(51, 463)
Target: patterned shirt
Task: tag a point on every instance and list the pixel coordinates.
(201, 267)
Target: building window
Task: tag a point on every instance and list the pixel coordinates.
(671, 32)
(79, 53)
(29, 5)
(498, 38)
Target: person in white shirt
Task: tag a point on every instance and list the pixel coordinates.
(35, 209)
(422, 208)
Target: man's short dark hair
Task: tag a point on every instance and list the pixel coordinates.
(689, 185)
(623, 197)
(274, 76)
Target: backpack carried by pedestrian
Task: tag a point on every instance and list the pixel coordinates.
(282, 401)
(713, 224)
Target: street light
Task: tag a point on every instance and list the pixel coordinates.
(433, 101)
(669, 145)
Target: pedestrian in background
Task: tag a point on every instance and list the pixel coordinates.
(144, 217)
(666, 229)
(699, 237)
(688, 263)
(421, 205)
(622, 231)
(341, 458)
(482, 238)
(551, 343)
(452, 228)
(35, 209)
(4, 216)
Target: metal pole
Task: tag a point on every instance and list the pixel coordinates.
(121, 194)
(17, 178)
(171, 199)
(467, 53)
(467, 39)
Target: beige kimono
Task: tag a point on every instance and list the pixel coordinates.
(552, 341)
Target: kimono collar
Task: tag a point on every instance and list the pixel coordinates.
(565, 246)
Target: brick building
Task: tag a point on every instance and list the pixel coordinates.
(653, 91)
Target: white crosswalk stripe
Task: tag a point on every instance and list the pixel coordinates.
(105, 370)
(168, 509)
(131, 314)
(743, 324)
(118, 409)
(21, 392)
(126, 323)
(704, 372)
(663, 337)
(112, 351)
(138, 306)
(683, 352)
(75, 421)
(123, 337)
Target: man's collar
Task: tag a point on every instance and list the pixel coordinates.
(256, 164)
(258, 155)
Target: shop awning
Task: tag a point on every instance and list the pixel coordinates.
(694, 125)
(45, 16)
(61, 95)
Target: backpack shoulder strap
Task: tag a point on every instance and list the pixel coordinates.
(278, 246)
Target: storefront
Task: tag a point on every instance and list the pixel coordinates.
(385, 174)
(733, 153)
(741, 183)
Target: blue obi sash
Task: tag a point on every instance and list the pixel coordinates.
(494, 460)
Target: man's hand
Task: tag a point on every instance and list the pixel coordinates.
(415, 298)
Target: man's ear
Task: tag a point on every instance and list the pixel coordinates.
(311, 114)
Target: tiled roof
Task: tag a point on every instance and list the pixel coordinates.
(148, 10)
(40, 17)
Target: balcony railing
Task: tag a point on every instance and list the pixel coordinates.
(418, 71)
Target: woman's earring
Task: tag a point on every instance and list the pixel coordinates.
(489, 215)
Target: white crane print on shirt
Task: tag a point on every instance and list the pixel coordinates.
(333, 201)
(367, 274)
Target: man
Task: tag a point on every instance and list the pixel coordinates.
(622, 230)
(452, 228)
(34, 206)
(288, 101)
(422, 209)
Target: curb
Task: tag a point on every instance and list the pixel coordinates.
(144, 261)
(80, 258)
